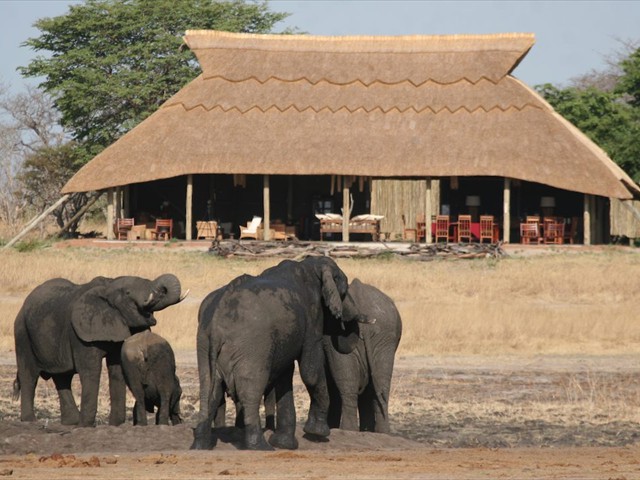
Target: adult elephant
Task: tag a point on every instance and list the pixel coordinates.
(64, 328)
(251, 332)
(360, 381)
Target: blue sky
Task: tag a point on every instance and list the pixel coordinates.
(572, 37)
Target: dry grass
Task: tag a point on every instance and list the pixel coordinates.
(562, 303)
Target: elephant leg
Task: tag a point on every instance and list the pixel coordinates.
(250, 391)
(367, 408)
(90, 381)
(313, 376)
(239, 414)
(202, 438)
(69, 413)
(117, 389)
(349, 400)
(139, 408)
(270, 410)
(25, 384)
(162, 416)
(335, 403)
(381, 373)
(285, 431)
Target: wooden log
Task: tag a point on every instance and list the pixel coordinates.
(37, 221)
(81, 212)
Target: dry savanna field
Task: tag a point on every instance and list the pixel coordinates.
(525, 366)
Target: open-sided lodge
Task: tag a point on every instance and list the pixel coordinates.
(392, 130)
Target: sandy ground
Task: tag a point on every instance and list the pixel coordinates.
(452, 417)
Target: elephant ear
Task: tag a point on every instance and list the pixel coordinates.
(95, 319)
(330, 292)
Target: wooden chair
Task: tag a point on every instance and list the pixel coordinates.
(410, 234)
(206, 229)
(442, 228)
(530, 231)
(251, 230)
(123, 227)
(487, 229)
(464, 228)
(535, 219)
(163, 229)
(553, 233)
(421, 227)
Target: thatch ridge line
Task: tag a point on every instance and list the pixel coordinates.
(354, 110)
(202, 39)
(351, 82)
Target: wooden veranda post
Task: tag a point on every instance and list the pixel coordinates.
(506, 212)
(110, 213)
(586, 217)
(345, 209)
(267, 208)
(428, 208)
(189, 207)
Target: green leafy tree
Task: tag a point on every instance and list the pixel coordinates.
(611, 118)
(112, 63)
(629, 83)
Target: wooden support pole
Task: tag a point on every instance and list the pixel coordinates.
(345, 208)
(428, 208)
(586, 220)
(110, 213)
(35, 223)
(189, 207)
(81, 212)
(506, 212)
(267, 208)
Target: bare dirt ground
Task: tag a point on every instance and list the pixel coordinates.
(452, 417)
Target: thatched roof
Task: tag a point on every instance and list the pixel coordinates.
(407, 106)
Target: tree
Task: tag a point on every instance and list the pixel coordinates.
(114, 62)
(609, 116)
(29, 127)
(44, 174)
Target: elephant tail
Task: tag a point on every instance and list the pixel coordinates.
(16, 389)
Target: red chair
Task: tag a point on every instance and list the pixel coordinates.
(163, 230)
(554, 233)
(487, 229)
(529, 232)
(442, 227)
(123, 227)
(464, 228)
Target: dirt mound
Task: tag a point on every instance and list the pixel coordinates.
(38, 438)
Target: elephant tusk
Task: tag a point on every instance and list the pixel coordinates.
(184, 295)
(342, 326)
(365, 319)
(149, 300)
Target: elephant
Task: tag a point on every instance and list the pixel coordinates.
(149, 368)
(250, 333)
(360, 381)
(65, 328)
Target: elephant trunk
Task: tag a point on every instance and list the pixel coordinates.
(165, 292)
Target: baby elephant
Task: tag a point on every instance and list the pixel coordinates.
(149, 368)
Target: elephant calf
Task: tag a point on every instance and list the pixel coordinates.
(360, 381)
(149, 368)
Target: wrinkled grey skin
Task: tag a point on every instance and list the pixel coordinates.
(64, 329)
(360, 381)
(251, 332)
(149, 368)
